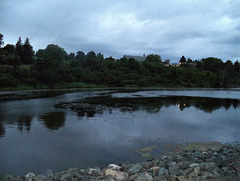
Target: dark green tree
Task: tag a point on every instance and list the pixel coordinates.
(212, 64)
(19, 49)
(27, 52)
(90, 60)
(167, 62)
(1, 40)
(71, 56)
(13, 59)
(228, 67)
(80, 55)
(237, 66)
(49, 65)
(189, 60)
(154, 58)
(9, 48)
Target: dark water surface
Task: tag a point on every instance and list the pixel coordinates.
(96, 128)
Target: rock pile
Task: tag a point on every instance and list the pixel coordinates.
(217, 164)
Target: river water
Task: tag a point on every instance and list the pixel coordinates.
(95, 128)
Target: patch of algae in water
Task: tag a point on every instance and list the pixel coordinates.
(201, 146)
(173, 148)
(145, 152)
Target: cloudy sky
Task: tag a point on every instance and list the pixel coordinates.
(170, 28)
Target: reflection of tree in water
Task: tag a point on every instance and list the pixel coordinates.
(24, 123)
(91, 106)
(53, 120)
(2, 130)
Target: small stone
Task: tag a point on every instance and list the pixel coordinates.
(94, 171)
(193, 165)
(155, 168)
(29, 176)
(178, 157)
(114, 167)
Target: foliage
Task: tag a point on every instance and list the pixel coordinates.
(27, 52)
(52, 67)
(1, 40)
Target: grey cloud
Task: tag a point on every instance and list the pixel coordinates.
(171, 28)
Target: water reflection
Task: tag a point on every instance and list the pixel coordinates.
(24, 124)
(53, 120)
(96, 105)
(2, 130)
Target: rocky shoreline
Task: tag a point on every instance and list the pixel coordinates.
(216, 163)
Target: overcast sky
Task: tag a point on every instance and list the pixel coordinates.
(170, 28)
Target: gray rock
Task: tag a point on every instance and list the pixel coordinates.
(66, 176)
(174, 171)
(162, 172)
(134, 169)
(205, 166)
(147, 165)
(193, 165)
(144, 177)
(133, 177)
(217, 160)
(114, 167)
(178, 157)
(182, 178)
(121, 176)
(94, 171)
(193, 175)
(48, 173)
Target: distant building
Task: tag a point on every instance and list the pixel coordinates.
(175, 64)
(166, 64)
(138, 58)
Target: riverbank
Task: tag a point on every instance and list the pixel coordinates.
(187, 163)
(7, 95)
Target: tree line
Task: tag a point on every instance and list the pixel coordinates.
(53, 67)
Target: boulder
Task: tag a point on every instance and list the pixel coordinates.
(116, 174)
(134, 169)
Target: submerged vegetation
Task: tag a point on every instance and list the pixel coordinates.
(53, 67)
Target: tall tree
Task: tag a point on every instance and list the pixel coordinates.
(237, 66)
(49, 64)
(80, 55)
(19, 48)
(1, 40)
(27, 52)
(212, 64)
(1, 51)
(154, 58)
(71, 56)
(228, 66)
(9, 48)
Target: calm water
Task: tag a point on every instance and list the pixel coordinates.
(110, 127)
